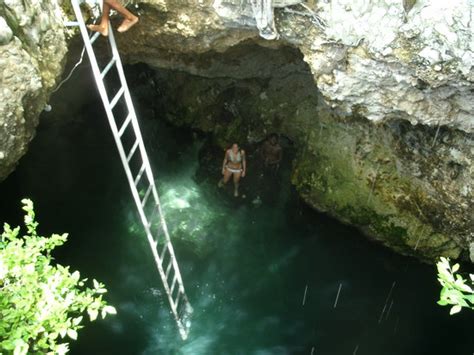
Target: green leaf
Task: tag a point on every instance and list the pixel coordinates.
(62, 332)
(77, 320)
(21, 348)
(442, 302)
(71, 333)
(92, 314)
(110, 310)
(61, 349)
(455, 309)
(455, 268)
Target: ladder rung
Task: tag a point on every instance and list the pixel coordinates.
(132, 151)
(173, 284)
(94, 37)
(107, 68)
(125, 124)
(178, 298)
(147, 194)
(150, 220)
(71, 23)
(140, 174)
(117, 97)
(176, 304)
(163, 252)
(168, 269)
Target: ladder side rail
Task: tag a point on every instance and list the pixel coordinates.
(110, 116)
(136, 127)
(161, 271)
(138, 135)
(145, 158)
(90, 53)
(164, 227)
(131, 110)
(170, 248)
(183, 330)
(106, 103)
(151, 180)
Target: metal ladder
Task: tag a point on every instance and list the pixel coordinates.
(139, 174)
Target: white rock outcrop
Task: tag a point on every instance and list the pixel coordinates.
(383, 60)
(32, 50)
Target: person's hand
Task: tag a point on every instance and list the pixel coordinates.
(243, 173)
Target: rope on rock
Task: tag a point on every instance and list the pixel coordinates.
(263, 13)
(71, 72)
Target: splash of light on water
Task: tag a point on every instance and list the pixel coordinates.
(189, 214)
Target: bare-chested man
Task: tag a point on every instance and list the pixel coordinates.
(272, 153)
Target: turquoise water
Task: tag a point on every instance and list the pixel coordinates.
(264, 278)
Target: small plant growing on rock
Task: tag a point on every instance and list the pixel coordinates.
(455, 292)
(41, 304)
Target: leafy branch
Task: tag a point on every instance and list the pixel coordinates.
(41, 304)
(455, 292)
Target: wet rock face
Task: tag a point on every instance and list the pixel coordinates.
(406, 186)
(32, 48)
(409, 187)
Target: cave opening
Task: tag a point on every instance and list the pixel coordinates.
(244, 95)
(266, 274)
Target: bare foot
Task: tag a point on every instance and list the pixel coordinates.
(104, 30)
(127, 24)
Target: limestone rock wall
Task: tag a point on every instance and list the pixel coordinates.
(406, 186)
(385, 138)
(383, 118)
(381, 59)
(32, 49)
(412, 63)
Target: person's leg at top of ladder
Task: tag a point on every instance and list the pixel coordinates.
(103, 27)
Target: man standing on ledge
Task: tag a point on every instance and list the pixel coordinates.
(103, 27)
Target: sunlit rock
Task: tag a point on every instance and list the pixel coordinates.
(32, 49)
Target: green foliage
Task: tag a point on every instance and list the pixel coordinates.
(455, 291)
(41, 305)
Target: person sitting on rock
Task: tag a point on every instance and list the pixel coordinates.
(103, 27)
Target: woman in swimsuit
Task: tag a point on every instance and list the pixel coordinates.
(234, 165)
